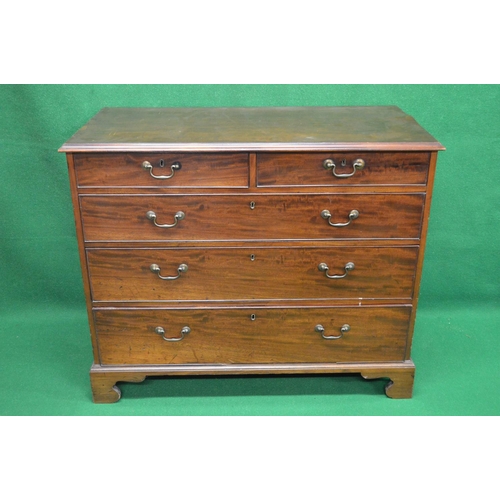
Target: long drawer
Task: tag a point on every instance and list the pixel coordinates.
(161, 170)
(342, 169)
(251, 273)
(253, 335)
(250, 217)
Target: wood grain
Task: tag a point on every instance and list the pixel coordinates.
(252, 187)
(235, 336)
(108, 375)
(421, 254)
(285, 169)
(104, 388)
(231, 274)
(231, 218)
(384, 128)
(401, 379)
(197, 170)
(81, 251)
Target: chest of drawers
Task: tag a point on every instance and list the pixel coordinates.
(223, 241)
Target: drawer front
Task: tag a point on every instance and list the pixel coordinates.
(252, 273)
(284, 169)
(252, 335)
(196, 170)
(250, 217)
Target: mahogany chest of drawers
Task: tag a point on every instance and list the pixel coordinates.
(220, 241)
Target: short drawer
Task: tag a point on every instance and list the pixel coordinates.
(343, 169)
(252, 273)
(254, 335)
(161, 170)
(250, 217)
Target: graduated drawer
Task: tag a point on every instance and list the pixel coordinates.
(250, 217)
(196, 170)
(228, 336)
(307, 169)
(252, 273)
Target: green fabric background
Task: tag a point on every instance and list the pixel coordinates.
(44, 338)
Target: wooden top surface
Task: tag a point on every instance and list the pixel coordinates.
(384, 128)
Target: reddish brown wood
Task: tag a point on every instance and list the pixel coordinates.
(197, 170)
(252, 182)
(369, 128)
(420, 261)
(379, 369)
(231, 274)
(258, 335)
(232, 218)
(284, 169)
(252, 187)
(81, 252)
(104, 388)
(400, 385)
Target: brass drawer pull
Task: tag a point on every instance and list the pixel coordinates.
(353, 214)
(348, 267)
(358, 164)
(161, 331)
(174, 167)
(177, 217)
(321, 329)
(155, 268)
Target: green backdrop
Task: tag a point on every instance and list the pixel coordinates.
(44, 337)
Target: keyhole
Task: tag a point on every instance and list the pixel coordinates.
(252, 257)
(252, 205)
(252, 317)
(162, 163)
(343, 162)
